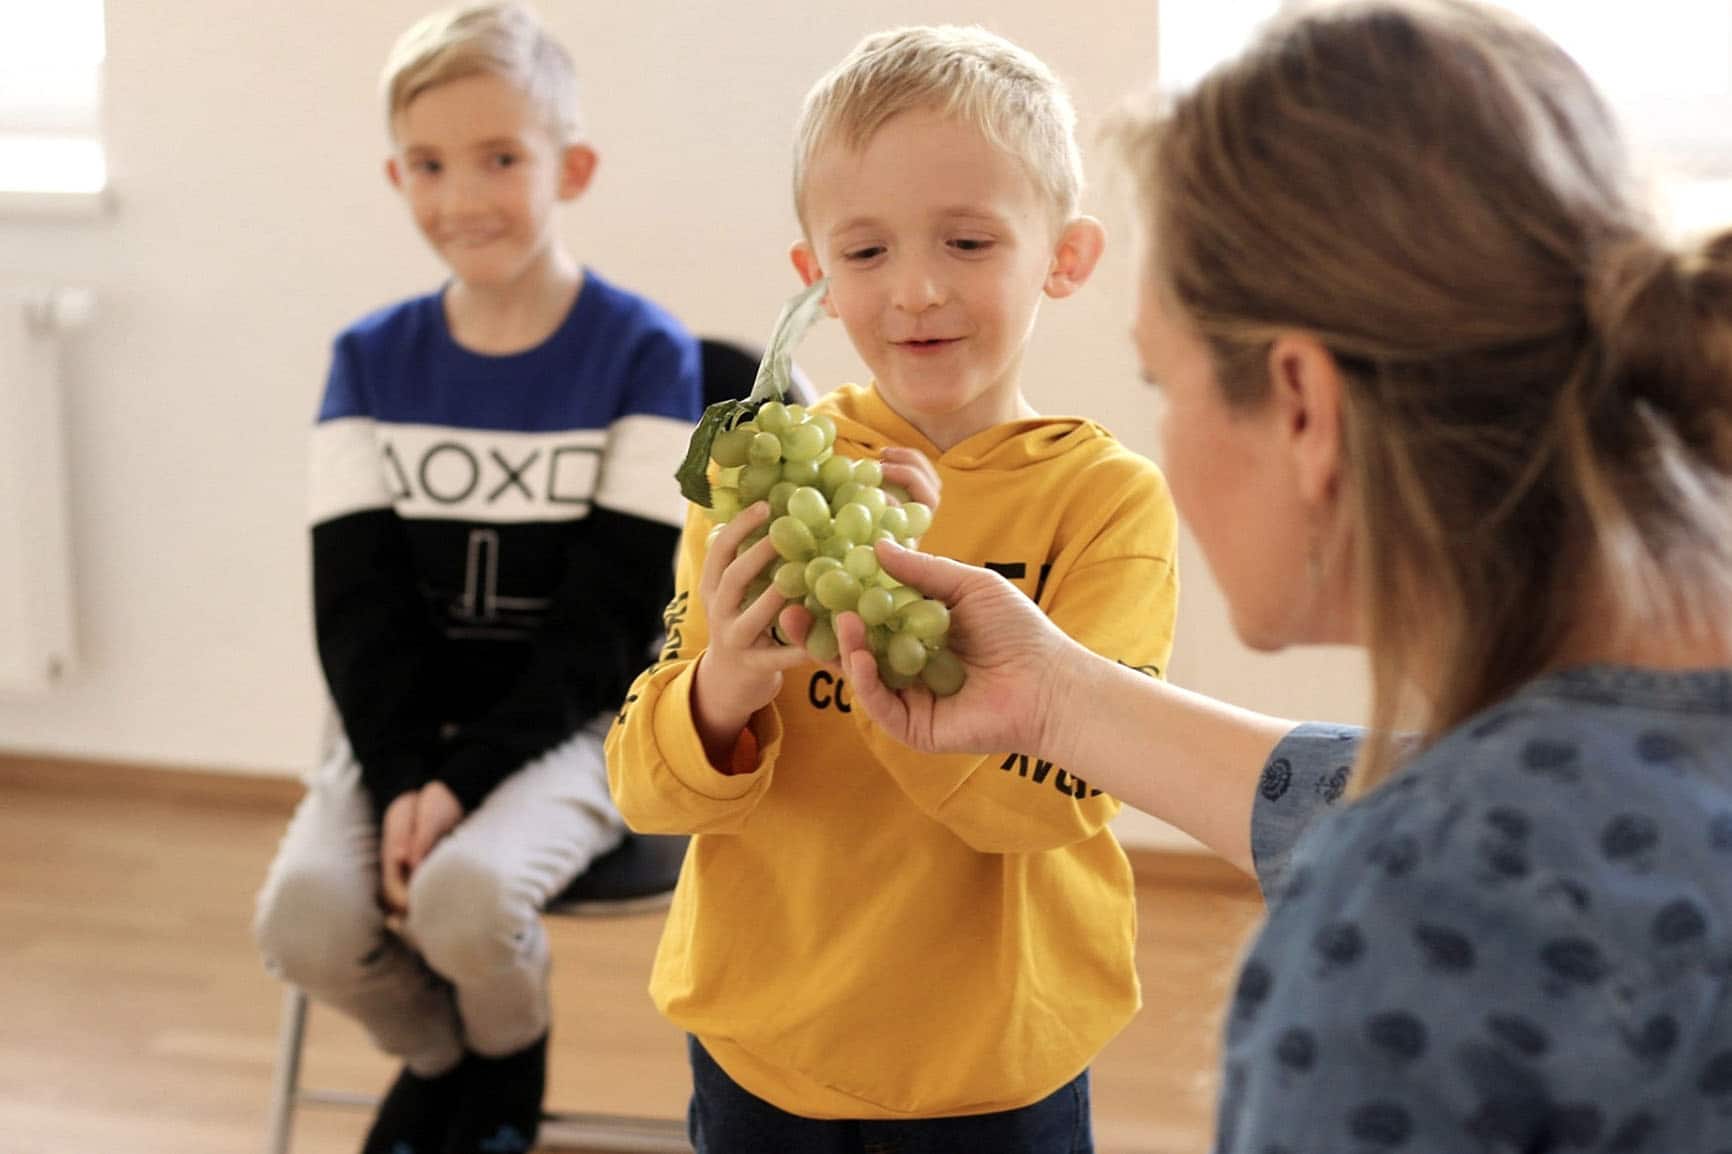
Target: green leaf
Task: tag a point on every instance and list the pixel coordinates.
(774, 381)
(693, 473)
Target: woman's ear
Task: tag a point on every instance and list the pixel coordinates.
(1307, 387)
(806, 264)
(1075, 256)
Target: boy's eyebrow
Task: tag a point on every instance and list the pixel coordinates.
(952, 212)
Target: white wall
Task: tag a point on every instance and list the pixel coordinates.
(251, 222)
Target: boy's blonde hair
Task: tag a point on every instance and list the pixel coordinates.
(982, 79)
(506, 40)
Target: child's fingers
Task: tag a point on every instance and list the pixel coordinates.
(913, 472)
(730, 591)
(721, 553)
(757, 617)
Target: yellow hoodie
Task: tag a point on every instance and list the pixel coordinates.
(862, 931)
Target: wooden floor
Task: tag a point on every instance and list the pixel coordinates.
(134, 1015)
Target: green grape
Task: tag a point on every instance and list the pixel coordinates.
(874, 501)
(875, 606)
(944, 673)
(854, 521)
(835, 545)
(729, 448)
(821, 641)
(878, 639)
(891, 678)
(796, 414)
(919, 518)
(815, 607)
(790, 579)
(773, 417)
(803, 473)
(802, 443)
(846, 493)
(809, 505)
(793, 539)
(838, 590)
(751, 427)
(882, 534)
(861, 561)
(926, 619)
(817, 567)
(832, 473)
(894, 521)
(765, 449)
(826, 424)
(757, 481)
(892, 489)
(904, 596)
(906, 654)
(779, 494)
(869, 473)
(724, 503)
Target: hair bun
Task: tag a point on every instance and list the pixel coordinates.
(1663, 319)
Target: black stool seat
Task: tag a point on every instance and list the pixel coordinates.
(637, 874)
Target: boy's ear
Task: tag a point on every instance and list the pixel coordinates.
(394, 173)
(576, 169)
(806, 264)
(1074, 258)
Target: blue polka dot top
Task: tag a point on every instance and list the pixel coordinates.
(1522, 942)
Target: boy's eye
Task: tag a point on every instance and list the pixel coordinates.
(425, 167)
(504, 159)
(864, 253)
(971, 244)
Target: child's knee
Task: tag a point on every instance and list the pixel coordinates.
(315, 927)
(462, 916)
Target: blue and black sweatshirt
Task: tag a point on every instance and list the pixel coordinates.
(493, 535)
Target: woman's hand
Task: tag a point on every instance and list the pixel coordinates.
(741, 669)
(1016, 661)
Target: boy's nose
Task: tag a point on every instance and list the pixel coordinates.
(917, 288)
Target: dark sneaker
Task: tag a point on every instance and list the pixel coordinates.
(499, 1109)
(417, 1114)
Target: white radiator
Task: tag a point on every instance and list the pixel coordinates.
(36, 634)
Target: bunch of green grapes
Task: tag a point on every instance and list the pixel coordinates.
(826, 513)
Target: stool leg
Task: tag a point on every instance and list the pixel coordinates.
(286, 1085)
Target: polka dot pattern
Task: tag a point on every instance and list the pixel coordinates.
(1522, 942)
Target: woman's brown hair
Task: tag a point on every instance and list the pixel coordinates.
(1537, 420)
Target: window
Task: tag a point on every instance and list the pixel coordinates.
(51, 57)
(1666, 66)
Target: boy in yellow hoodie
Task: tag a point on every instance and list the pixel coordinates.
(871, 948)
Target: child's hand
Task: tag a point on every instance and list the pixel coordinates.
(396, 833)
(914, 471)
(741, 669)
(437, 812)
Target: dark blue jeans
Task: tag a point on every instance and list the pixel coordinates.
(725, 1119)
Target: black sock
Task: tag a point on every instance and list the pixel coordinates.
(500, 1109)
(417, 1114)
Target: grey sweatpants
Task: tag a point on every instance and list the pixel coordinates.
(470, 966)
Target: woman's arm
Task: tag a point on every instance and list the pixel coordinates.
(1187, 759)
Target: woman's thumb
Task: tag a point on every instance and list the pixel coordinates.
(937, 577)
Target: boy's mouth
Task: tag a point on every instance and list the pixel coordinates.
(927, 345)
